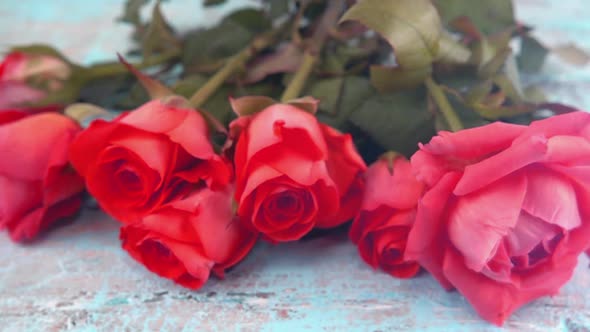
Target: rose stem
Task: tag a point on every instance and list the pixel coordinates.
(443, 105)
(116, 68)
(328, 20)
(234, 64)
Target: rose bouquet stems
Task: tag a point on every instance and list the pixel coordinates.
(466, 179)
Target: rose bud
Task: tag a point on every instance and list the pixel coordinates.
(187, 239)
(294, 174)
(27, 78)
(387, 214)
(37, 186)
(507, 210)
(147, 157)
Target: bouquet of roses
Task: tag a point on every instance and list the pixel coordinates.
(267, 134)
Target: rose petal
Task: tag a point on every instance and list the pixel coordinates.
(568, 150)
(528, 233)
(480, 220)
(16, 93)
(485, 172)
(427, 236)
(427, 167)
(572, 124)
(397, 189)
(493, 301)
(183, 126)
(286, 124)
(50, 129)
(476, 142)
(551, 198)
(16, 198)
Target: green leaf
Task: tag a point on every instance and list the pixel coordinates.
(328, 92)
(469, 118)
(396, 121)
(532, 54)
(208, 3)
(488, 16)
(339, 97)
(247, 105)
(278, 8)
(206, 49)
(535, 94)
(389, 79)
(187, 86)
(451, 51)
(131, 14)
(343, 60)
(307, 103)
(252, 19)
(41, 49)
(494, 65)
(412, 28)
(159, 36)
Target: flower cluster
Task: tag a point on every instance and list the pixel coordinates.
(500, 212)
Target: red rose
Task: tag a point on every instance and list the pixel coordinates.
(147, 157)
(186, 239)
(27, 78)
(507, 211)
(294, 174)
(37, 186)
(387, 214)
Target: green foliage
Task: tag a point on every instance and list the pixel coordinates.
(396, 121)
(488, 16)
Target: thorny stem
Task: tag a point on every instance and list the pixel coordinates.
(312, 53)
(443, 105)
(233, 65)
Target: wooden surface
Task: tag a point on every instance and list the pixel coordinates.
(78, 279)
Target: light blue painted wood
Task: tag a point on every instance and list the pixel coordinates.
(78, 279)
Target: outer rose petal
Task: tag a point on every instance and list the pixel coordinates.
(148, 157)
(427, 236)
(183, 126)
(205, 220)
(397, 188)
(13, 94)
(495, 301)
(11, 115)
(382, 232)
(42, 189)
(166, 257)
(483, 173)
(388, 211)
(280, 123)
(345, 167)
(284, 143)
(506, 264)
(223, 238)
(571, 124)
(49, 129)
(476, 142)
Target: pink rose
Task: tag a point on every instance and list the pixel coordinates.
(294, 174)
(37, 184)
(147, 157)
(387, 214)
(28, 78)
(507, 210)
(187, 239)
